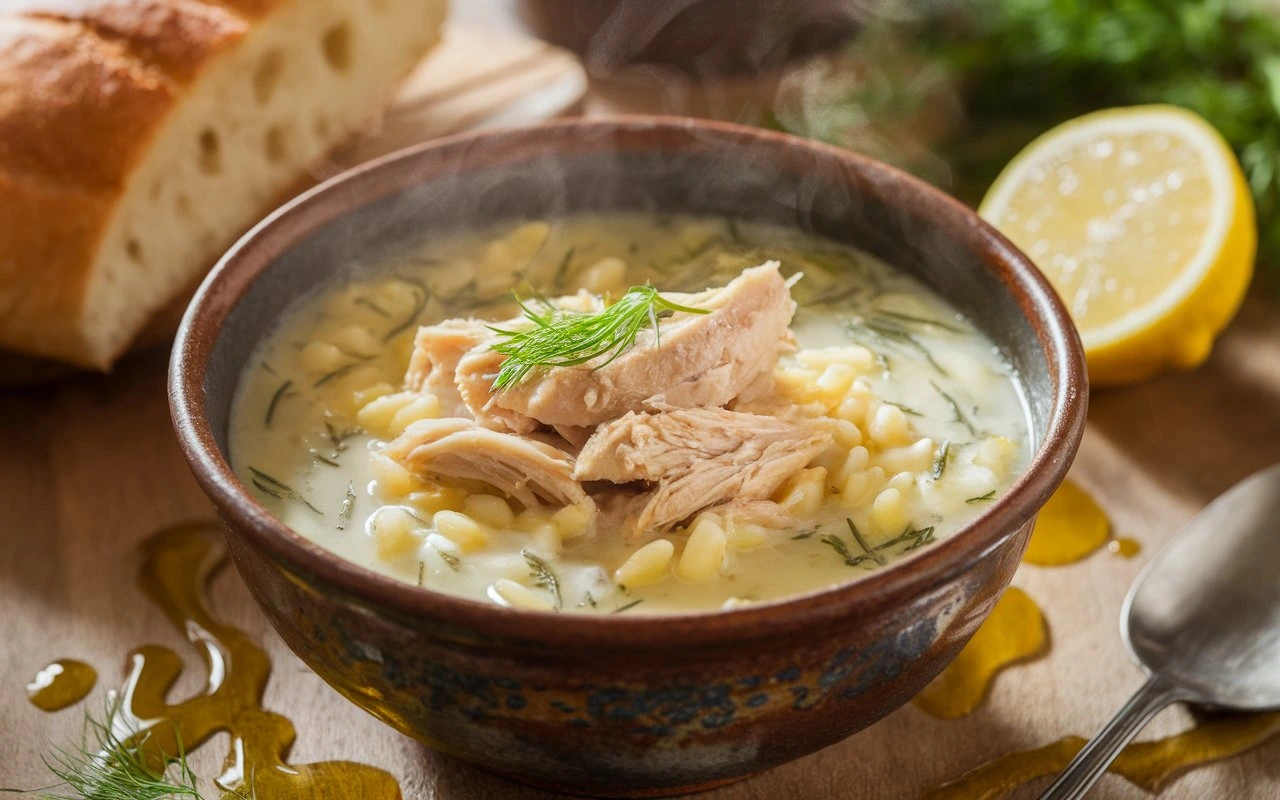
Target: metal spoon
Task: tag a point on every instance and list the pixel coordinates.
(1203, 621)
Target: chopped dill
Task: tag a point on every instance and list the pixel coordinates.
(628, 606)
(322, 458)
(279, 489)
(919, 538)
(588, 600)
(886, 330)
(911, 319)
(348, 505)
(804, 534)
(422, 297)
(561, 279)
(372, 306)
(453, 562)
(542, 575)
(422, 572)
(335, 374)
(986, 498)
(561, 338)
(285, 391)
(958, 415)
(857, 537)
(911, 412)
(339, 438)
(842, 550)
(940, 463)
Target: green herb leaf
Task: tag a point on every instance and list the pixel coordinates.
(986, 498)
(542, 575)
(279, 489)
(940, 463)
(558, 338)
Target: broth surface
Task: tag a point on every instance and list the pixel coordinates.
(929, 424)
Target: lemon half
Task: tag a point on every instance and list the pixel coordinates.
(1142, 220)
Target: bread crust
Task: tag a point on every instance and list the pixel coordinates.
(84, 87)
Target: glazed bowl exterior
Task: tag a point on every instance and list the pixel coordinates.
(626, 704)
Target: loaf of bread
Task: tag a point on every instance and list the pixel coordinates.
(139, 138)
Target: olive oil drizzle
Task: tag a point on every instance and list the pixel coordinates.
(63, 683)
(1072, 527)
(1151, 765)
(178, 563)
(1015, 631)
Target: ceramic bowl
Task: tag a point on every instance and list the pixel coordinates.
(627, 705)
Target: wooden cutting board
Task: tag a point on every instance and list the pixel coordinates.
(89, 468)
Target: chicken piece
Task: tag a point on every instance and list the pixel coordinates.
(701, 360)
(437, 349)
(527, 470)
(698, 458)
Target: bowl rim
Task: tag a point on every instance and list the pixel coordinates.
(929, 568)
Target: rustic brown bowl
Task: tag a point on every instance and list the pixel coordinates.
(627, 705)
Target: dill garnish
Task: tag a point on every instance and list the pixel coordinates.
(911, 319)
(454, 563)
(372, 306)
(588, 600)
(339, 438)
(989, 496)
(280, 394)
(886, 330)
(562, 271)
(279, 489)
(335, 374)
(422, 297)
(322, 458)
(561, 338)
(348, 505)
(422, 572)
(628, 606)
(919, 538)
(803, 535)
(842, 550)
(911, 412)
(955, 409)
(542, 575)
(857, 537)
(112, 761)
(940, 463)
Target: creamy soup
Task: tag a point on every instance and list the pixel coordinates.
(683, 414)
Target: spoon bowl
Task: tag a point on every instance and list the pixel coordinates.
(1205, 613)
(1203, 620)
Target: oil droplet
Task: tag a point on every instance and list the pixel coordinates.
(997, 778)
(1070, 527)
(1014, 632)
(63, 683)
(177, 564)
(1125, 548)
(1150, 765)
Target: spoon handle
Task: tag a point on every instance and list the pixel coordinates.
(1089, 764)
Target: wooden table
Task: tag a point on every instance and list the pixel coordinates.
(89, 467)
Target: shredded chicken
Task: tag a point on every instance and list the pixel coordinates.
(437, 349)
(527, 470)
(697, 458)
(702, 360)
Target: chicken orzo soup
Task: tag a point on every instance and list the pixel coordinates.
(623, 413)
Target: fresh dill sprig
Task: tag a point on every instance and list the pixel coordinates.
(112, 762)
(542, 575)
(559, 338)
(453, 562)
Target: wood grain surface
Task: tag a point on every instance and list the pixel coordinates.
(89, 467)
